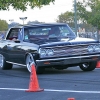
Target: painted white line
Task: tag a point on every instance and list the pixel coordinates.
(52, 90)
(74, 91)
(13, 89)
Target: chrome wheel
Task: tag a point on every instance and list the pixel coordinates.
(29, 61)
(86, 65)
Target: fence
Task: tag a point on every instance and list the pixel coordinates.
(88, 35)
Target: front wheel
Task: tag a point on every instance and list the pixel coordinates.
(89, 66)
(3, 64)
(29, 61)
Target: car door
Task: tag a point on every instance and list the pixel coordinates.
(13, 47)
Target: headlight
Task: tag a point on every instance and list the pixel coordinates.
(46, 52)
(42, 52)
(97, 48)
(90, 48)
(49, 52)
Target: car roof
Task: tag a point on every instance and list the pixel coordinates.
(37, 25)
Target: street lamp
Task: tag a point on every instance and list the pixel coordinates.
(23, 19)
(75, 10)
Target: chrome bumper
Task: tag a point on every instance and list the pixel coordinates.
(67, 60)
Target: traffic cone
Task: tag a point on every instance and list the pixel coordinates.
(98, 64)
(33, 85)
(71, 99)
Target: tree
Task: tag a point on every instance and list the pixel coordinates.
(67, 17)
(3, 25)
(13, 24)
(22, 4)
(89, 11)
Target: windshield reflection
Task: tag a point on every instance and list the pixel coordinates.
(48, 32)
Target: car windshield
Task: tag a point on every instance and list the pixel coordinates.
(49, 32)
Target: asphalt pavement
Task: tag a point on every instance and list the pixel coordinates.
(56, 85)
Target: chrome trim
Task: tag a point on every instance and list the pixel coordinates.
(57, 51)
(15, 63)
(67, 58)
(79, 44)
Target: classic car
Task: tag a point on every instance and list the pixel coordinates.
(47, 45)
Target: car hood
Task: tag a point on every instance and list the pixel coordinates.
(69, 41)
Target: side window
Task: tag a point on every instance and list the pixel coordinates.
(26, 35)
(13, 33)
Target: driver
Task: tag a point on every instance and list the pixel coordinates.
(54, 32)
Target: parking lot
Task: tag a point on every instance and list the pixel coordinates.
(57, 85)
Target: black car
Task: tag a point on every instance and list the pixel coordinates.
(48, 46)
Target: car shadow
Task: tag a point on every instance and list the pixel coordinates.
(20, 70)
(64, 71)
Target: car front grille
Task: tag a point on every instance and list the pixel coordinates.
(70, 50)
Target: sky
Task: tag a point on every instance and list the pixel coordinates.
(47, 13)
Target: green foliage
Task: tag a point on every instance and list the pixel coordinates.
(3, 25)
(89, 11)
(66, 17)
(22, 4)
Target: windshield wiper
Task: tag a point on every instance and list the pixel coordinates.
(37, 40)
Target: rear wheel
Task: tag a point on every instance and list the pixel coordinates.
(89, 66)
(29, 61)
(3, 64)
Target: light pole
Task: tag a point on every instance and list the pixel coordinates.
(23, 19)
(75, 17)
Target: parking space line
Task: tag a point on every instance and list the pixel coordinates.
(52, 90)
